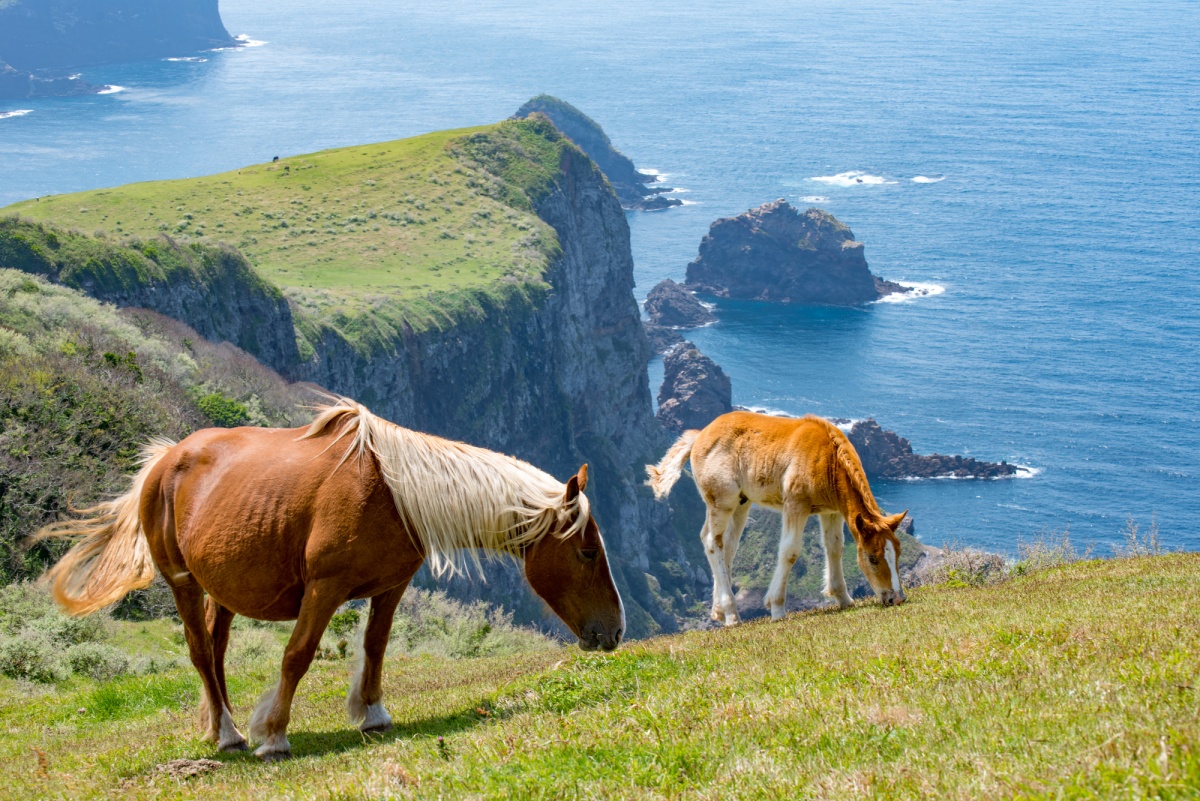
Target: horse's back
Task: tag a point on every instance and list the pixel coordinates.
(767, 459)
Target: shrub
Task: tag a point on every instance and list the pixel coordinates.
(31, 655)
(224, 412)
(97, 660)
(1048, 550)
(431, 622)
(1138, 544)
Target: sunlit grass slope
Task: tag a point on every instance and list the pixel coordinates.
(343, 230)
(1079, 680)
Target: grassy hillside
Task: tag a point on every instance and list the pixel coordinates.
(82, 385)
(1078, 682)
(407, 224)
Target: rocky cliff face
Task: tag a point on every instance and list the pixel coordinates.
(57, 34)
(695, 390)
(17, 84)
(556, 377)
(776, 253)
(635, 189)
(212, 289)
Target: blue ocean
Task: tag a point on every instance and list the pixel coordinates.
(1037, 165)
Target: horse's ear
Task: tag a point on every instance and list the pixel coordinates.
(575, 485)
(894, 521)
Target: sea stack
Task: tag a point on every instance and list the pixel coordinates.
(777, 253)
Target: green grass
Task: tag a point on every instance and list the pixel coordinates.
(415, 224)
(1079, 681)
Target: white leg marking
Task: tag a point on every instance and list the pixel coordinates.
(831, 539)
(789, 551)
(275, 747)
(206, 716)
(355, 707)
(230, 738)
(258, 721)
(723, 603)
(376, 719)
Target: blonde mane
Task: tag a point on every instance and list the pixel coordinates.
(849, 461)
(456, 499)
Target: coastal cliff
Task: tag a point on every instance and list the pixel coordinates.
(777, 253)
(635, 190)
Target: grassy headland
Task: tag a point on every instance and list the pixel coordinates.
(1078, 681)
(407, 229)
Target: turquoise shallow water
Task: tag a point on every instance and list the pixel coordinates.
(1064, 229)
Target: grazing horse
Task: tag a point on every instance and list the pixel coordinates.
(799, 467)
(283, 524)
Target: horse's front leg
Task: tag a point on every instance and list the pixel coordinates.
(835, 544)
(790, 538)
(269, 723)
(715, 525)
(364, 701)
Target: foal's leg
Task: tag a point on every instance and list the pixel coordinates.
(364, 701)
(715, 522)
(831, 538)
(218, 619)
(791, 535)
(189, 600)
(733, 536)
(269, 723)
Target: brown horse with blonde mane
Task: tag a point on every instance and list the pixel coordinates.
(283, 524)
(799, 467)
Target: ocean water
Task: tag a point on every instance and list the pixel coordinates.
(1037, 162)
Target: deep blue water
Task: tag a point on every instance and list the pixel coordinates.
(1065, 231)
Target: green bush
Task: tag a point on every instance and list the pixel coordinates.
(33, 656)
(223, 411)
(97, 660)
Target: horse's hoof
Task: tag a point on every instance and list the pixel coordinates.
(378, 728)
(273, 756)
(240, 745)
(716, 617)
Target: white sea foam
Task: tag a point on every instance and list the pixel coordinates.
(814, 199)
(245, 40)
(927, 179)
(687, 202)
(915, 290)
(111, 89)
(852, 178)
(679, 190)
(190, 59)
(21, 112)
(661, 176)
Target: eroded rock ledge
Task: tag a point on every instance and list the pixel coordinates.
(777, 253)
(695, 390)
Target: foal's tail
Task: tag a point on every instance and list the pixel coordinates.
(112, 556)
(664, 474)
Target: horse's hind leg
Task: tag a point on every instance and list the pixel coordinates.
(715, 523)
(189, 600)
(835, 544)
(218, 619)
(733, 535)
(269, 723)
(364, 701)
(790, 538)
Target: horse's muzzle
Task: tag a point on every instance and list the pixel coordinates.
(597, 637)
(890, 598)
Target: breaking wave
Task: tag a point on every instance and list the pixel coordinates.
(852, 178)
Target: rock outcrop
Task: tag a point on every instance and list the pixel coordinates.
(779, 254)
(633, 188)
(695, 390)
(672, 305)
(886, 454)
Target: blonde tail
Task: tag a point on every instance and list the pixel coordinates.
(112, 556)
(664, 474)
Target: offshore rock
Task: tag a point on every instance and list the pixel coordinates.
(778, 254)
(629, 184)
(695, 390)
(885, 454)
(672, 305)
(19, 84)
(662, 338)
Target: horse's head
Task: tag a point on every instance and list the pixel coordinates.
(571, 574)
(879, 555)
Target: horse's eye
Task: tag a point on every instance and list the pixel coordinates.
(589, 554)
(873, 560)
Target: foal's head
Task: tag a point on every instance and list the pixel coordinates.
(879, 555)
(571, 574)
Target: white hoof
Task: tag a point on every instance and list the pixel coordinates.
(274, 749)
(229, 738)
(376, 719)
(778, 612)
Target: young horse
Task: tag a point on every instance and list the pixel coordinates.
(799, 467)
(278, 524)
